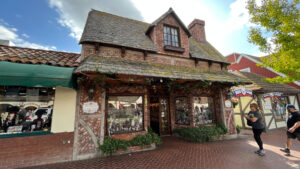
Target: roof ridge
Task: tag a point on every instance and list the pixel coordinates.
(118, 16)
(38, 49)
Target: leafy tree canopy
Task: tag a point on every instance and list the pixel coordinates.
(276, 31)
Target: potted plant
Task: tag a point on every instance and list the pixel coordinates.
(238, 129)
(234, 101)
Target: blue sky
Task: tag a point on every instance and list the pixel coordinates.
(58, 24)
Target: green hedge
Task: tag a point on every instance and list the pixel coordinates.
(202, 133)
(111, 145)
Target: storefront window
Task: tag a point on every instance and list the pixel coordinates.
(278, 107)
(25, 109)
(125, 114)
(203, 110)
(182, 111)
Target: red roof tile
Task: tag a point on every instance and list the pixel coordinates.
(38, 56)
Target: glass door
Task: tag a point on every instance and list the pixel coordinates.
(164, 116)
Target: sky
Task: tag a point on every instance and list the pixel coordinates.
(58, 24)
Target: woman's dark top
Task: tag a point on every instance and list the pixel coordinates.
(259, 123)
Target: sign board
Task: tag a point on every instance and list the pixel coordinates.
(14, 129)
(90, 107)
(228, 103)
(243, 92)
(268, 105)
(274, 94)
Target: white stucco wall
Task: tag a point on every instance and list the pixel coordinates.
(64, 110)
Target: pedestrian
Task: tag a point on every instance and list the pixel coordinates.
(254, 119)
(293, 129)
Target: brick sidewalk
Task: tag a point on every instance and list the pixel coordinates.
(175, 153)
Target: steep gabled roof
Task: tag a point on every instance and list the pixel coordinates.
(205, 51)
(38, 56)
(111, 29)
(169, 12)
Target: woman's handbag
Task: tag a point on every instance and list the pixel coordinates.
(249, 123)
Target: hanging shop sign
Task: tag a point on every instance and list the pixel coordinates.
(243, 92)
(90, 107)
(272, 95)
(228, 104)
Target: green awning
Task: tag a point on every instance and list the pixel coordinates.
(16, 74)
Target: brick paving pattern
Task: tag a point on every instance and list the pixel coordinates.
(178, 154)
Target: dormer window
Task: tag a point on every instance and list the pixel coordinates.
(171, 36)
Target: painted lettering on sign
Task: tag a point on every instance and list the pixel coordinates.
(90, 107)
(274, 94)
(243, 92)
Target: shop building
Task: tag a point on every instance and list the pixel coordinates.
(248, 63)
(135, 75)
(37, 106)
(272, 99)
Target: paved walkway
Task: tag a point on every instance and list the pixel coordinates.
(175, 153)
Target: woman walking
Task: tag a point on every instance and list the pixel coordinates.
(254, 119)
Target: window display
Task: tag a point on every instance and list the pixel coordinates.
(182, 111)
(25, 109)
(203, 110)
(125, 114)
(275, 105)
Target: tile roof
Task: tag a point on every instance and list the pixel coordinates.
(38, 56)
(128, 67)
(106, 28)
(266, 86)
(204, 50)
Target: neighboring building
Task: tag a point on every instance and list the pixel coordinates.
(248, 63)
(36, 82)
(271, 98)
(136, 75)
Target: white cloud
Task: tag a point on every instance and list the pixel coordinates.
(10, 34)
(73, 13)
(25, 35)
(219, 29)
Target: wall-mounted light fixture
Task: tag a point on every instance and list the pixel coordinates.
(229, 94)
(91, 92)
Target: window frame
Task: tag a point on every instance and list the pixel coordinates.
(124, 94)
(178, 35)
(188, 105)
(213, 109)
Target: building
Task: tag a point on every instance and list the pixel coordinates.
(270, 97)
(134, 75)
(36, 83)
(248, 63)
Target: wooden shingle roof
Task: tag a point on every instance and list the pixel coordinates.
(38, 56)
(264, 86)
(109, 65)
(115, 30)
(111, 29)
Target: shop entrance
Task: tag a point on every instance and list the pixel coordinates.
(159, 113)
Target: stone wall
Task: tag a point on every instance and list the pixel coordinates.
(89, 128)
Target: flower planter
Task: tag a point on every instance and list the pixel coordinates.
(134, 149)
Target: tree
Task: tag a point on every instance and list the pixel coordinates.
(276, 31)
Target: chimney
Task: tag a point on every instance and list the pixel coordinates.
(197, 30)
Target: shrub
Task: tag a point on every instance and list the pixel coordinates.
(202, 133)
(222, 128)
(111, 145)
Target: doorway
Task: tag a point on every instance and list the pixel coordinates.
(160, 115)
